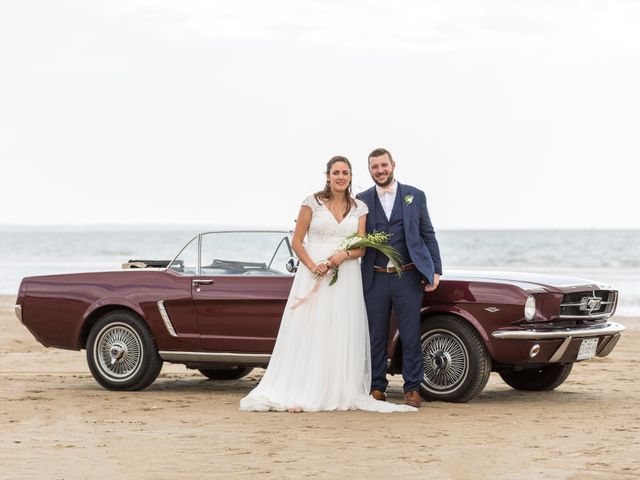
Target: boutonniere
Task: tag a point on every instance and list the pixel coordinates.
(408, 199)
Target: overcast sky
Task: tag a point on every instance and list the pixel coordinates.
(509, 114)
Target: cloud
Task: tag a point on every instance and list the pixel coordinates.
(570, 26)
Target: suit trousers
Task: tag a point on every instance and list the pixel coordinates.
(405, 295)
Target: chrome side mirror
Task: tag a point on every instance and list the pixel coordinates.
(292, 265)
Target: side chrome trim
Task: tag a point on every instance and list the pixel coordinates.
(18, 310)
(609, 328)
(232, 358)
(166, 319)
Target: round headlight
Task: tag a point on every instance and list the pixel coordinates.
(530, 308)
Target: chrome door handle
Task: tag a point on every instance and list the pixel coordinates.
(201, 281)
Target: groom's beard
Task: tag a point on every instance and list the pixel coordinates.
(386, 183)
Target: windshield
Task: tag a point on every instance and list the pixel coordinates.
(236, 253)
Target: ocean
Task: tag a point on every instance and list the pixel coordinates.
(609, 256)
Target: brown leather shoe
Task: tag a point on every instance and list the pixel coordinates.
(378, 395)
(413, 399)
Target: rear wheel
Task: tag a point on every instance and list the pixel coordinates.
(121, 352)
(456, 363)
(226, 373)
(538, 379)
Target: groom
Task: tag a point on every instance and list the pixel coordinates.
(400, 210)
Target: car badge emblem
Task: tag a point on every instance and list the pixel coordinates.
(590, 304)
(492, 309)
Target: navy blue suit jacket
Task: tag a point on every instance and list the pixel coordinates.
(418, 231)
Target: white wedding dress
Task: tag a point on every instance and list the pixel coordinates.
(321, 359)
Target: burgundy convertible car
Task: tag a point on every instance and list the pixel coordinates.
(217, 306)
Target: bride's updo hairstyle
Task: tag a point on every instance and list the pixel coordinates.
(326, 194)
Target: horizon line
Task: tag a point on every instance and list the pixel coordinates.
(200, 226)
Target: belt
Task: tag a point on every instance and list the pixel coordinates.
(403, 268)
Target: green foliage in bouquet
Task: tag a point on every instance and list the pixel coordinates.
(376, 240)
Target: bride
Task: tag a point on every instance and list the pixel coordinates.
(321, 359)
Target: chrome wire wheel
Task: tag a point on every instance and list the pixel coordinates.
(445, 359)
(118, 351)
(121, 351)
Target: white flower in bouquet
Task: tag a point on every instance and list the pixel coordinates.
(349, 243)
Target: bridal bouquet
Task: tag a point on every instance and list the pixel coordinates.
(377, 241)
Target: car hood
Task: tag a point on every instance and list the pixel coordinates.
(529, 281)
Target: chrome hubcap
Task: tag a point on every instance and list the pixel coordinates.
(440, 362)
(445, 361)
(118, 351)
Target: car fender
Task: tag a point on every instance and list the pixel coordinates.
(113, 303)
(460, 312)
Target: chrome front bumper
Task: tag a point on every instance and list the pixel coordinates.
(562, 353)
(18, 309)
(609, 328)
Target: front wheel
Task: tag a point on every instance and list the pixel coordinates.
(456, 363)
(121, 352)
(229, 373)
(538, 379)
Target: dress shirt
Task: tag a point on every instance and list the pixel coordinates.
(388, 199)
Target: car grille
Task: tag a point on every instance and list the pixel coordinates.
(591, 305)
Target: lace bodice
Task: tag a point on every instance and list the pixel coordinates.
(324, 228)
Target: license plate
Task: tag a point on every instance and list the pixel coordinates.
(587, 348)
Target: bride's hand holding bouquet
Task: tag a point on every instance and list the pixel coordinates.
(336, 259)
(319, 270)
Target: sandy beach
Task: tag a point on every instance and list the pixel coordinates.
(58, 423)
